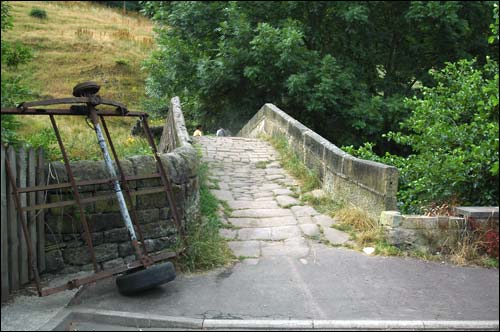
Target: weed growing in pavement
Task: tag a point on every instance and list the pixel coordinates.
(309, 180)
(262, 164)
(205, 249)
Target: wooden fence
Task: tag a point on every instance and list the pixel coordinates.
(28, 169)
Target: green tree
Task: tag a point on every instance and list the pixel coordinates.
(12, 90)
(342, 68)
(453, 135)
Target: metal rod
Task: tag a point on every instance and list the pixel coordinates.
(116, 184)
(125, 185)
(165, 179)
(24, 226)
(75, 193)
(73, 100)
(85, 183)
(87, 200)
(56, 111)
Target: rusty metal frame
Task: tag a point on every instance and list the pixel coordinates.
(31, 108)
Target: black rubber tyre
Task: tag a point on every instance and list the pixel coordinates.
(85, 89)
(139, 281)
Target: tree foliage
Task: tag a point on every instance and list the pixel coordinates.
(341, 68)
(453, 135)
(12, 90)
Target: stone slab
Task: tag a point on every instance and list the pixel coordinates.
(274, 177)
(245, 234)
(480, 212)
(324, 221)
(334, 236)
(228, 234)
(263, 194)
(311, 230)
(282, 192)
(305, 220)
(239, 205)
(304, 211)
(284, 232)
(263, 222)
(285, 201)
(261, 213)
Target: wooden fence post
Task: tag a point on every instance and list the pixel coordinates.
(40, 173)
(23, 252)
(31, 220)
(13, 226)
(4, 229)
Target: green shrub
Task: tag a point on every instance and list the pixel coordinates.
(46, 139)
(38, 13)
(6, 16)
(121, 62)
(13, 93)
(15, 54)
(205, 248)
(453, 135)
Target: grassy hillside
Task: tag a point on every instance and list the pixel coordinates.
(77, 42)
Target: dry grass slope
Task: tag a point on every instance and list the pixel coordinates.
(82, 41)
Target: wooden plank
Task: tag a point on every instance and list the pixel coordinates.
(31, 221)
(4, 228)
(40, 174)
(23, 252)
(12, 226)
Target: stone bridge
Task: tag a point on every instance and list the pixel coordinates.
(265, 217)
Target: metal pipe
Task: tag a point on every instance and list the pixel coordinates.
(116, 183)
(125, 184)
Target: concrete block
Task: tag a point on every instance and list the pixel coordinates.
(419, 222)
(391, 218)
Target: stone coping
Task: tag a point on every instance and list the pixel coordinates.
(479, 212)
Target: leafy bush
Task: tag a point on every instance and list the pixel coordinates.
(453, 136)
(6, 17)
(15, 54)
(46, 139)
(122, 62)
(13, 92)
(38, 13)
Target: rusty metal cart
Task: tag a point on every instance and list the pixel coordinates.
(140, 274)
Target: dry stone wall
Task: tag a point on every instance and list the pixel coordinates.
(368, 185)
(66, 249)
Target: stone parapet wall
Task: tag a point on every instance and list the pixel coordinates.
(175, 134)
(65, 247)
(429, 233)
(368, 185)
(423, 233)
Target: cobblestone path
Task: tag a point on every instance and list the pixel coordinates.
(266, 219)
